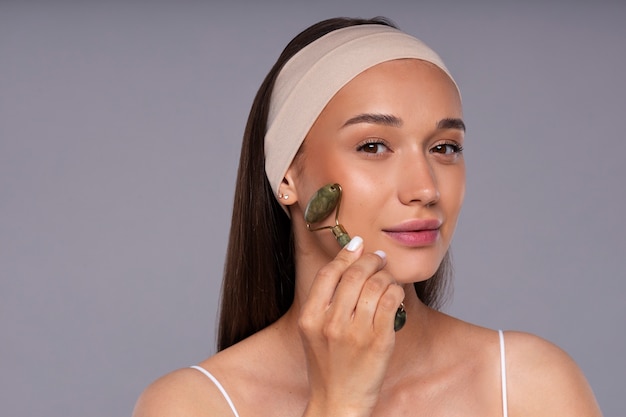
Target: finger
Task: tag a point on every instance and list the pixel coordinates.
(352, 284)
(373, 290)
(326, 280)
(386, 309)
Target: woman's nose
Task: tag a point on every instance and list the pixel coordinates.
(418, 182)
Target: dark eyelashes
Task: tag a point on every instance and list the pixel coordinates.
(370, 143)
(373, 146)
(456, 148)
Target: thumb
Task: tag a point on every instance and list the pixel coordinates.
(355, 244)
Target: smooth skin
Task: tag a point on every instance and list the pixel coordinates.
(334, 353)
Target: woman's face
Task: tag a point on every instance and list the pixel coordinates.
(392, 137)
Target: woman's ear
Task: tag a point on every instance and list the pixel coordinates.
(287, 194)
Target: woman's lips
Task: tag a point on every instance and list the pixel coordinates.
(415, 233)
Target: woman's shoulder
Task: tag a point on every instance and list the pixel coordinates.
(184, 392)
(542, 379)
(245, 371)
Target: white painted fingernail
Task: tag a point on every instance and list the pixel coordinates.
(354, 244)
(382, 254)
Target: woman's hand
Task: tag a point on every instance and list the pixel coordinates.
(346, 326)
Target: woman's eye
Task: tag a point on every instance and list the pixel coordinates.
(447, 149)
(373, 148)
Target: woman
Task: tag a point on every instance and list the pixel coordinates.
(307, 328)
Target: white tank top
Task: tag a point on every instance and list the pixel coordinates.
(505, 412)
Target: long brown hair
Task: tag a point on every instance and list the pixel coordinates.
(259, 273)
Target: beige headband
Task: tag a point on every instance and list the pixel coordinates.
(311, 78)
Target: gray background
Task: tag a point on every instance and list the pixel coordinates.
(120, 127)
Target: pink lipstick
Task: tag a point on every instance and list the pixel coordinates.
(415, 233)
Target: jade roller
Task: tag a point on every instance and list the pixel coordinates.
(323, 202)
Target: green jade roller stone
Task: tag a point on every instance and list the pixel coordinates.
(340, 234)
(400, 319)
(322, 203)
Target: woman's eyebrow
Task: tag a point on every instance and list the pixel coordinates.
(451, 123)
(393, 121)
(374, 118)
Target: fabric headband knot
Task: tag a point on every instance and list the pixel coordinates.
(311, 78)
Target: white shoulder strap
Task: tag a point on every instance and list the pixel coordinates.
(219, 387)
(505, 407)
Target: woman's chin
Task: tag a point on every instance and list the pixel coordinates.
(411, 272)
